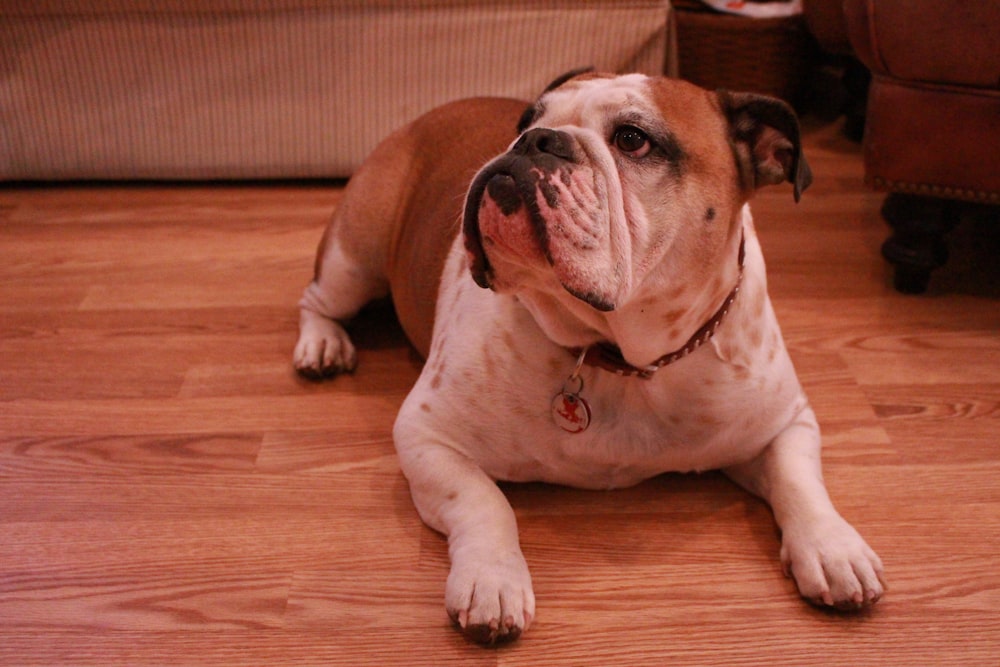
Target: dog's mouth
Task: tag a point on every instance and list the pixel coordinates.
(535, 212)
(501, 212)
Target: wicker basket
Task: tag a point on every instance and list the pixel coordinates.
(770, 56)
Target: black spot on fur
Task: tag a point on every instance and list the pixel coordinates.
(528, 117)
(503, 190)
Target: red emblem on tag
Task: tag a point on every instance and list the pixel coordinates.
(570, 412)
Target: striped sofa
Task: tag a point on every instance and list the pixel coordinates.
(260, 89)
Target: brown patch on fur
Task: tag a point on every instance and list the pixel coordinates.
(708, 419)
(440, 342)
(489, 357)
(774, 346)
(521, 411)
(717, 286)
(558, 364)
(672, 316)
(758, 304)
(455, 298)
(438, 374)
(676, 292)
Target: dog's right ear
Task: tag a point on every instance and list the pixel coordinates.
(563, 78)
(533, 111)
(527, 118)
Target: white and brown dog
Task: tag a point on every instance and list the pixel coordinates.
(626, 330)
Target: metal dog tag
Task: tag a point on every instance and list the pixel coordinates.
(570, 412)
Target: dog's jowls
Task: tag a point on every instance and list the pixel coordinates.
(582, 275)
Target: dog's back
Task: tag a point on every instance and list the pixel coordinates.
(393, 235)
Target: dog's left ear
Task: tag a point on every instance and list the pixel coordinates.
(765, 135)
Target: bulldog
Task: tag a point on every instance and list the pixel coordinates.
(583, 278)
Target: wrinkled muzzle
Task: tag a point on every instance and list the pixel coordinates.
(543, 207)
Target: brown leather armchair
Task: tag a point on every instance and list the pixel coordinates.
(826, 22)
(932, 132)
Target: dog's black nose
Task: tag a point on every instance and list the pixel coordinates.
(544, 140)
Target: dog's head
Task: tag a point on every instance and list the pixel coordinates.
(617, 179)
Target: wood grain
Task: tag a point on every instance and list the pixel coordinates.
(171, 493)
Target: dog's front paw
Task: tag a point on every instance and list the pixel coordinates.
(490, 598)
(832, 564)
(324, 348)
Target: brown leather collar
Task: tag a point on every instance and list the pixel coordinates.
(607, 356)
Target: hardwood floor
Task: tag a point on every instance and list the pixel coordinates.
(171, 492)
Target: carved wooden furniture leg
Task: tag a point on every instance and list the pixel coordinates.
(917, 245)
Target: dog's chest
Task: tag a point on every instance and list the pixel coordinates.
(638, 429)
(496, 404)
(493, 381)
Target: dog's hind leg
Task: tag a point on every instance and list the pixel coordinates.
(352, 259)
(340, 288)
(350, 272)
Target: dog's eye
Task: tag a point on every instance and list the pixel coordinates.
(632, 141)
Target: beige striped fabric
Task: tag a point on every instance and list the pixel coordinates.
(229, 89)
